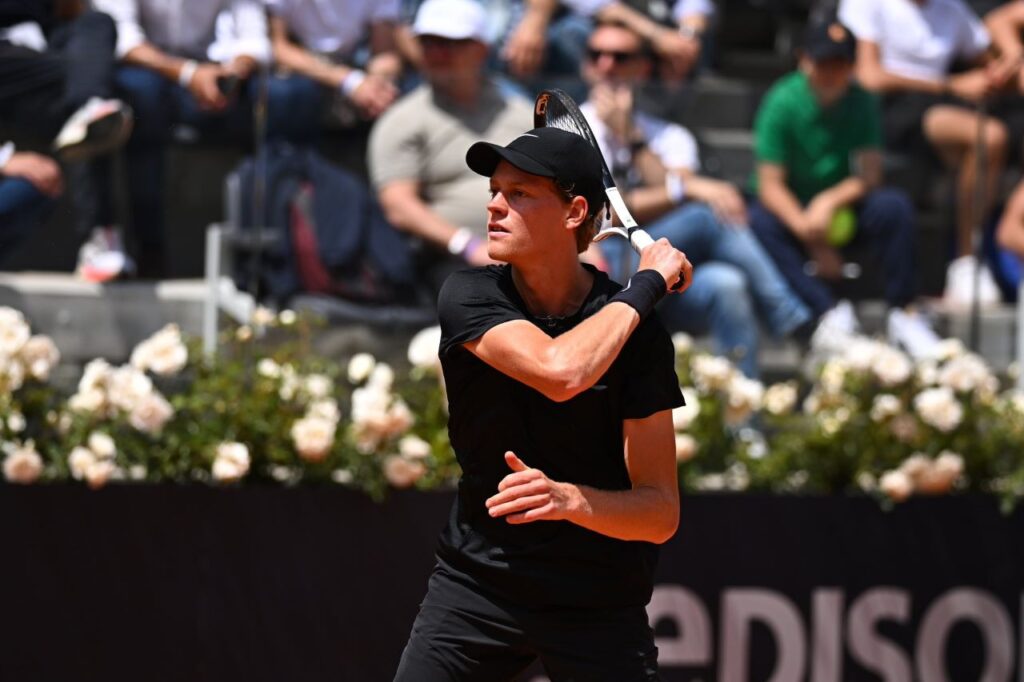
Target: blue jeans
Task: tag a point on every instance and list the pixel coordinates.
(735, 284)
(885, 220)
(159, 106)
(22, 208)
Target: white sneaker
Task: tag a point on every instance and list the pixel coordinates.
(835, 328)
(102, 258)
(960, 284)
(97, 127)
(911, 332)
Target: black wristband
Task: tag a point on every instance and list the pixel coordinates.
(642, 292)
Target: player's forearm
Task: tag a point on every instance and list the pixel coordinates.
(644, 513)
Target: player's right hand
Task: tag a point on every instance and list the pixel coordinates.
(668, 261)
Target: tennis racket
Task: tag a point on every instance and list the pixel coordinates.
(556, 109)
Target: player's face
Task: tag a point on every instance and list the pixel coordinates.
(526, 215)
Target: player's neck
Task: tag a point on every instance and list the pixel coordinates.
(552, 291)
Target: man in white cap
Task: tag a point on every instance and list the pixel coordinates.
(417, 148)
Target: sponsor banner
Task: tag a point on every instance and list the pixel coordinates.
(193, 583)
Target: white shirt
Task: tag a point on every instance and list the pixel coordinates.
(680, 8)
(333, 26)
(917, 41)
(673, 144)
(219, 30)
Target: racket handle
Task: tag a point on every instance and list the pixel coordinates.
(640, 241)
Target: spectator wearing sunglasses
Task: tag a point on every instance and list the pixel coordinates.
(656, 165)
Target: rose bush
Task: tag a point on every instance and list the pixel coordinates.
(268, 410)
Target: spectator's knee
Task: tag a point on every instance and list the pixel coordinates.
(895, 205)
(730, 289)
(99, 24)
(997, 137)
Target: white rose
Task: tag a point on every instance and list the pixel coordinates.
(401, 472)
(413, 447)
(861, 354)
(318, 386)
(268, 368)
(16, 422)
(79, 461)
(744, 398)
(424, 347)
(892, 367)
(360, 366)
(95, 377)
(400, 419)
(833, 374)
(287, 317)
(164, 353)
(127, 386)
(23, 465)
(927, 373)
(137, 472)
(812, 403)
(100, 472)
(736, 477)
(313, 438)
(711, 373)
(342, 476)
(150, 414)
(231, 462)
(916, 467)
(382, 377)
(102, 445)
(948, 468)
(40, 356)
(897, 485)
(12, 373)
(282, 474)
(710, 482)
(682, 342)
(684, 415)
(89, 401)
(939, 408)
(243, 333)
(263, 316)
(686, 447)
(866, 482)
(370, 405)
(885, 405)
(965, 373)
(14, 331)
(325, 409)
(948, 349)
(780, 399)
(904, 427)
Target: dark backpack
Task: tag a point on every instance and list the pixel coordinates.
(333, 237)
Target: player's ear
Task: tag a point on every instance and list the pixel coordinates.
(577, 213)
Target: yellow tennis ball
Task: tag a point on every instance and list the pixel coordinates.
(843, 227)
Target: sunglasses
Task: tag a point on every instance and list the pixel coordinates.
(440, 43)
(617, 56)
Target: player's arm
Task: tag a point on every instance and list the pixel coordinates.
(648, 511)
(564, 366)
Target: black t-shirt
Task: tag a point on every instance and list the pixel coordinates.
(544, 563)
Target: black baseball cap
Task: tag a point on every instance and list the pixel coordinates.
(550, 153)
(825, 40)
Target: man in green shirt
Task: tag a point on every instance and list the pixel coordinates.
(818, 186)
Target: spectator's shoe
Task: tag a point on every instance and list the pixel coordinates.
(835, 328)
(102, 258)
(960, 284)
(911, 332)
(97, 127)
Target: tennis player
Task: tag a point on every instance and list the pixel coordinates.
(561, 386)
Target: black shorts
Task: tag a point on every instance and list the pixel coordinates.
(462, 635)
(903, 121)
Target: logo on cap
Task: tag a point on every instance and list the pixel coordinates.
(837, 33)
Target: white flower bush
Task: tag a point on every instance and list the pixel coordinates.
(164, 353)
(231, 462)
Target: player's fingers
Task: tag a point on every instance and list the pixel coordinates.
(520, 504)
(537, 514)
(514, 463)
(515, 485)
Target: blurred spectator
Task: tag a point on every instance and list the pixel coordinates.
(417, 149)
(187, 62)
(906, 50)
(819, 174)
(656, 165)
(28, 183)
(1010, 242)
(56, 83)
(321, 42)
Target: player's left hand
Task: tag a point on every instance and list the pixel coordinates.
(528, 495)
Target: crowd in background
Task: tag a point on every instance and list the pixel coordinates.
(117, 81)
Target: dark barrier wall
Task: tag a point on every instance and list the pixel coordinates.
(192, 583)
